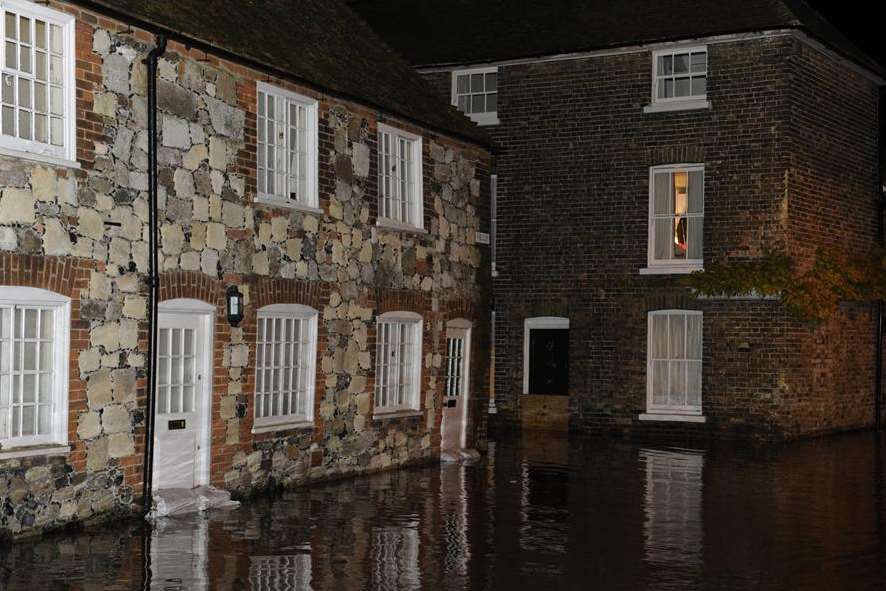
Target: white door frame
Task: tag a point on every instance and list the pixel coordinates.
(206, 312)
(459, 325)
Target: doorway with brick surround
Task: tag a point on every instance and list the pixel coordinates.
(544, 404)
(457, 385)
(182, 399)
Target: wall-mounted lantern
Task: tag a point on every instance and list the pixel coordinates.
(235, 305)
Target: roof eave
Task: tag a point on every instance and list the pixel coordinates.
(875, 71)
(481, 139)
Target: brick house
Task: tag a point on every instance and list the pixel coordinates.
(637, 142)
(319, 299)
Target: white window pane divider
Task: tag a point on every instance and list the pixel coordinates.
(37, 110)
(665, 219)
(286, 350)
(287, 146)
(398, 363)
(34, 349)
(400, 186)
(685, 363)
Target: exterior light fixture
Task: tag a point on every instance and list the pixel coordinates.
(235, 305)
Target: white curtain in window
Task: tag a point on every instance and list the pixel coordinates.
(678, 215)
(676, 360)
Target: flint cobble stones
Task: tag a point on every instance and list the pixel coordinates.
(213, 233)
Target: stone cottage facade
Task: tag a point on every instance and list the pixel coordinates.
(345, 215)
(638, 142)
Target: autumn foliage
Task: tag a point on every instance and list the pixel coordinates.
(810, 293)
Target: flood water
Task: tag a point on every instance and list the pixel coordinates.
(536, 513)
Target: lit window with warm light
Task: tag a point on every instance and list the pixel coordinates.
(676, 218)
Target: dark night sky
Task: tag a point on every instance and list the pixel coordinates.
(864, 25)
(860, 20)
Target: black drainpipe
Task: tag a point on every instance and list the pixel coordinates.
(153, 275)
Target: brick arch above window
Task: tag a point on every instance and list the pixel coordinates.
(191, 285)
(559, 307)
(675, 154)
(463, 308)
(670, 301)
(60, 275)
(267, 291)
(396, 300)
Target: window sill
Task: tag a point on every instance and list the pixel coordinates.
(389, 224)
(673, 418)
(750, 296)
(670, 107)
(485, 119)
(397, 414)
(671, 270)
(45, 159)
(289, 426)
(262, 200)
(34, 451)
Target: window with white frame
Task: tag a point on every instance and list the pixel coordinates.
(287, 147)
(680, 74)
(398, 362)
(37, 94)
(286, 348)
(34, 348)
(475, 93)
(399, 177)
(674, 362)
(676, 217)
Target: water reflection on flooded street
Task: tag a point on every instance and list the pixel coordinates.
(535, 513)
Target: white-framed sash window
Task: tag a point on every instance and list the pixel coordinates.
(679, 79)
(400, 185)
(287, 129)
(676, 218)
(398, 362)
(285, 365)
(475, 93)
(37, 93)
(674, 362)
(34, 350)
(680, 74)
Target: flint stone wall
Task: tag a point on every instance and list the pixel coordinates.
(94, 219)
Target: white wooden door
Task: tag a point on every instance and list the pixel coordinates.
(456, 387)
(181, 400)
